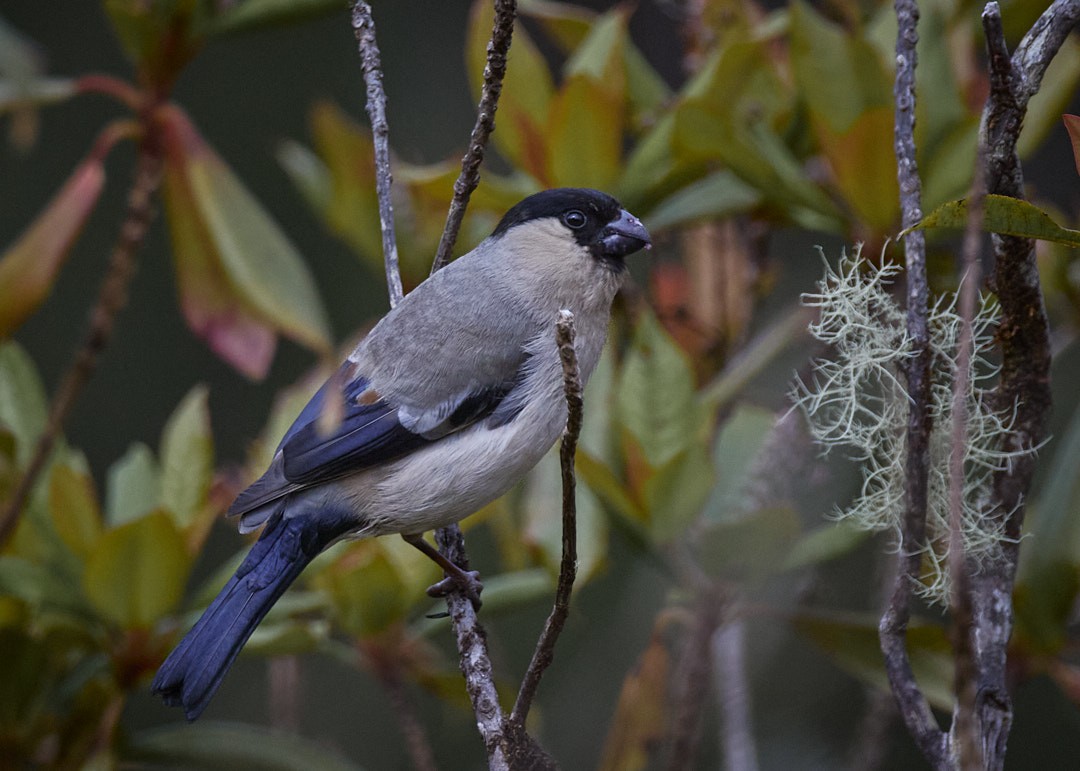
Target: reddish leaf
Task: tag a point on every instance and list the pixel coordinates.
(1072, 125)
(29, 267)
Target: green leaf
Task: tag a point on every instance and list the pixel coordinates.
(864, 165)
(752, 546)
(852, 643)
(542, 505)
(74, 508)
(719, 195)
(731, 112)
(824, 543)
(45, 592)
(566, 24)
(677, 491)
(367, 592)
(1049, 575)
(527, 92)
(252, 15)
(208, 745)
(159, 37)
(133, 487)
(585, 131)
(187, 458)
(608, 488)
(137, 571)
(1004, 215)
(842, 77)
(23, 406)
(240, 277)
(308, 173)
(656, 402)
(600, 57)
(510, 591)
(737, 446)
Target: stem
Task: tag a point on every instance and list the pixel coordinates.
(364, 28)
(501, 33)
(913, 705)
(112, 297)
(545, 646)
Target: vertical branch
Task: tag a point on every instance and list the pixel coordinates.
(501, 33)
(112, 297)
(545, 646)
(364, 29)
(475, 663)
(965, 732)
(729, 655)
(913, 705)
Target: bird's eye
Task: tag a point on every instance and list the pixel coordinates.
(574, 219)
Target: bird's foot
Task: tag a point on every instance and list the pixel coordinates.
(468, 581)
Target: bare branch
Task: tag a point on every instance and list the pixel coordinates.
(545, 646)
(364, 28)
(501, 33)
(475, 663)
(965, 732)
(112, 297)
(729, 664)
(913, 705)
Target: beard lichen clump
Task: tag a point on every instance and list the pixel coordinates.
(857, 400)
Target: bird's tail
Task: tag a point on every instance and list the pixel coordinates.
(191, 674)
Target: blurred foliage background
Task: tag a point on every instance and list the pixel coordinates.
(742, 134)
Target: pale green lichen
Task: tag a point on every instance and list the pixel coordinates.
(857, 400)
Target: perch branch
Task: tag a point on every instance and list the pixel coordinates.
(364, 29)
(475, 663)
(112, 297)
(913, 705)
(501, 33)
(545, 646)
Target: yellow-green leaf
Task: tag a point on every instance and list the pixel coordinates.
(137, 571)
(134, 485)
(29, 267)
(527, 91)
(23, 407)
(585, 128)
(74, 508)
(1004, 215)
(187, 458)
(864, 165)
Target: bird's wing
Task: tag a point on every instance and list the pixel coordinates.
(330, 439)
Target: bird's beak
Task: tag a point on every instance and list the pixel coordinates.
(624, 236)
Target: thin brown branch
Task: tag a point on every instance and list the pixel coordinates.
(694, 681)
(112, 297)
(965, 732)
(498, 47)
(364, 29)
(545, 646)
(913, 705)
(475, 663)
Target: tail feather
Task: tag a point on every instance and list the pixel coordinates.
(192, 673)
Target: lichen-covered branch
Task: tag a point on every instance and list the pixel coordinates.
(112, 297)
(913, 705)
(364, 28)
(498, 47)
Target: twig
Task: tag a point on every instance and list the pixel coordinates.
(475, 663)
(501, 33)
(364, 28)
(913, 705)
(545, 646)
(388, 673)
(964, 734)
(729, 665)
(112, 297)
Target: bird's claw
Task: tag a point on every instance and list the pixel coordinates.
(468, 581)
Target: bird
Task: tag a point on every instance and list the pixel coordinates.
(450, 399)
